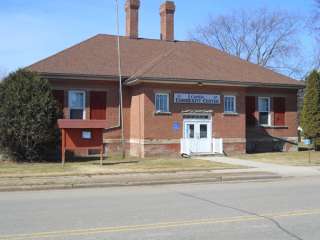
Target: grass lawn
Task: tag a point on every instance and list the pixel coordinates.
(131, 165)
(285, 158)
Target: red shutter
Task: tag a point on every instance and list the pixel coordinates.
(59, 96)
(250, 110)
(98, 105)
(279, 108)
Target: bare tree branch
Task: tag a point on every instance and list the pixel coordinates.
(268, 38)
(315, 22)
(314, 25)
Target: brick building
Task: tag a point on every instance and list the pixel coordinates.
(178, 96)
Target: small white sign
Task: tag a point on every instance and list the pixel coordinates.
(196, 98)
(86, 135)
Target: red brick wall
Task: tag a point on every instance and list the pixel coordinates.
(264, 137)
(141, 123)
(137, 113)
(160, 126)
(112, 109)
(291, 116)
(229, 127)
(136, 121)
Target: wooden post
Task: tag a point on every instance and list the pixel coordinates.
(63, 146)
(101, 154)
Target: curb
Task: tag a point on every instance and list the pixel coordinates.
(199, 170)
(219, 179)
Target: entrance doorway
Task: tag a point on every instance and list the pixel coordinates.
(197, 133)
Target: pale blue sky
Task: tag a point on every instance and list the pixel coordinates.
(33, 29)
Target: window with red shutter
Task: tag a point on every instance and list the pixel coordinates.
(98, 105)
(59, 96)
(250, 110)
(279, 108)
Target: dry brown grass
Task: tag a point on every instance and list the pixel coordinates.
(110, 166)
(286, 158)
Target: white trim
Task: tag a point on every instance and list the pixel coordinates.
(234, 103)
(199, 114)
(269, 112)
(208, 121)
(168, 100)
(83, 104)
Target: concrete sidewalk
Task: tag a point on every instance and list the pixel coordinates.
(282, 170)
(110, 180)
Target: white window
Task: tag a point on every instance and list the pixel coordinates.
(230, 104)
(162, 102)
(77, 104)
(264, 111)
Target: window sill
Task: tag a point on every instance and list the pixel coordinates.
(274, 127)
(230, 113)
(163, 113)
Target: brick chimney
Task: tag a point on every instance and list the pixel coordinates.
(167, 10)
(132, 18)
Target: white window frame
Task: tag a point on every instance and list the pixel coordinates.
(84, 101)
(234, 103)
(269, 112)
(155, 101)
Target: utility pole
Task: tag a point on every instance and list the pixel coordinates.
(120, 81)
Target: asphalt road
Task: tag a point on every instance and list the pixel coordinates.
(285, 209)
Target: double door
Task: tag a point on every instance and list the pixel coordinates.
(199, 135)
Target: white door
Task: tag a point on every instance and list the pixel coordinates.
(197, 132)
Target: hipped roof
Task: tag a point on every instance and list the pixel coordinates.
(157, 59)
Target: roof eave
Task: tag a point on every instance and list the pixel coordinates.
(212, 82)
(69, 76)
(135, 81)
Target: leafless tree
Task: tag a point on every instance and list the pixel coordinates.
(314, 25)
(268, 38)
(316, 18)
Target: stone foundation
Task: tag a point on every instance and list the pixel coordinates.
(166, 147)
(152, 150)
(156, 148)
(234, 148)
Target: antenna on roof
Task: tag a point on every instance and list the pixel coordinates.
(120, 80)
